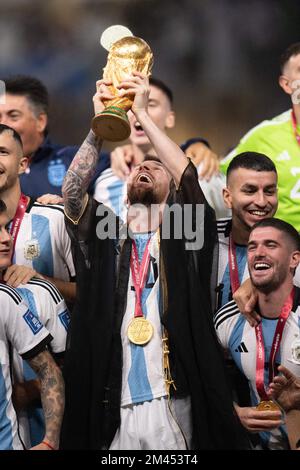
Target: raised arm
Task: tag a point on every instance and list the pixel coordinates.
(83, 166)
(79, 175)
(168, 152)
(52, 397)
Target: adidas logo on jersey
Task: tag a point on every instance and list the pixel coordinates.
(241, 348)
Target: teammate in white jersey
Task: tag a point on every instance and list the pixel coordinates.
(273, 255)
(43, 243)
(39, 233)
(46, 304)
(251, 194)
(21, 330)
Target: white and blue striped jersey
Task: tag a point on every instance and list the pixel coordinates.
(21, 330)
(43, 242)
(224, 287)
(237, 336)
(143, 375)
(47, 304)
(112, 192)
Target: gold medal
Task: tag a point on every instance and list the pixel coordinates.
(140, 331)
(268, 405)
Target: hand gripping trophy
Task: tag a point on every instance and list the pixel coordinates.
(126, 55)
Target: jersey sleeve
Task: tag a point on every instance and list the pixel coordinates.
(23, 329)
(57, 325)
(223, 321)
(213, 192)
(65, 245)
(54, 315)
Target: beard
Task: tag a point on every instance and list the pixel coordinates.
(269, 285)
(7, 184)
(144, 196)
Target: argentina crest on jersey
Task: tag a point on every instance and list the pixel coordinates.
(32, 249)
(56, 172)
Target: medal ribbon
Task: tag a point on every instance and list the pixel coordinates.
(139, 275)
(17, 220)
(294, 122)
(233, 266)
(260, 347)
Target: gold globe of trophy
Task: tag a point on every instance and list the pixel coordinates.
(126, 55)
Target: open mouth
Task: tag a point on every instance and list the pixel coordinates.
(261, 266)
(138, 127)
(144, 178)
(5, 252)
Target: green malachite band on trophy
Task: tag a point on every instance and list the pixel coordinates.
(111, 111)
(114, 109)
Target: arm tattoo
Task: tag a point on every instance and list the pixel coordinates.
(52, 394)
(79, 175)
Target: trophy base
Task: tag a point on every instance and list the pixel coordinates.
(112, 124)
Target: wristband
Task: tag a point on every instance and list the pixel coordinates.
(48, 445)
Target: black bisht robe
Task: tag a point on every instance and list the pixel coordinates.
(93, 363)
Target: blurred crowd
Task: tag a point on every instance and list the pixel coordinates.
(218, 57)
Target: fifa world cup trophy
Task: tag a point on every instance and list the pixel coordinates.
(125, 56)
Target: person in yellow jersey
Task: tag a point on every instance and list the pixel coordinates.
(279, 139)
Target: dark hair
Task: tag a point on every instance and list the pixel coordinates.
(34, 90)
(16, 136)
(2, 206)
(293, 49)
(282, 226)
(163, 87)
(251, 161)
